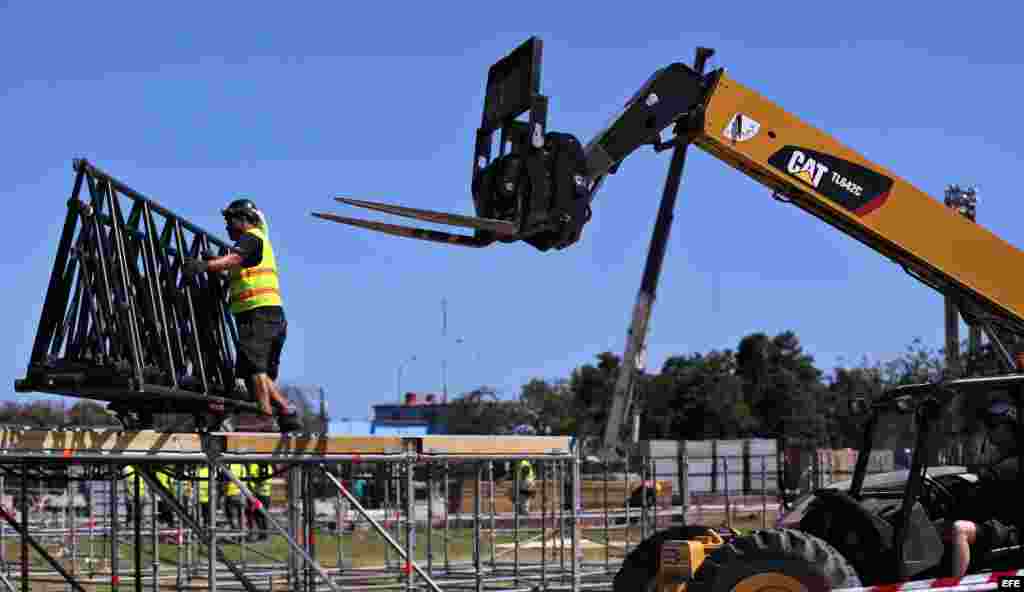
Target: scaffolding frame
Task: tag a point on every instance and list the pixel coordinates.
(104, 454)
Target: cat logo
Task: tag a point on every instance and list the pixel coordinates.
(806, 168)
(850, 185)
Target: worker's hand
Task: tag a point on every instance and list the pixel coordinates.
(953, 529)
(193, 267)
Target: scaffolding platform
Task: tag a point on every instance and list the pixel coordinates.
(147, 445)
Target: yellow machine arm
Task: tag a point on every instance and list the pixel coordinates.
(815, 172)
(823, 177)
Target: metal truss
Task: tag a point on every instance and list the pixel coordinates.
(120, 322)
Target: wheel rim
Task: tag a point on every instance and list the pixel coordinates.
(769, 582)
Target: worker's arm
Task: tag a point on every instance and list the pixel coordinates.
(247, 252)
(224, 263)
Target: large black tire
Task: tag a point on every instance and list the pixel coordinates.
(639, 569)
(775, 560)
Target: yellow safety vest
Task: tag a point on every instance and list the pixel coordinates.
(132, 478)
(165, 481)
(526, 474)
(203, 474)
(254, 287)
(262, 486)
(238, 471)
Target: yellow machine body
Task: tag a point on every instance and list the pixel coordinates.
(679, 560)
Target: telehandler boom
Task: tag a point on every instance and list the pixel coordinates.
(540, 191)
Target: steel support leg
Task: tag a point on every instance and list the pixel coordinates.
(137, 516)
(292, 481)
(574, 521)
(24, 528)
(410, 525)
(197, 527)
(271, 521)
(115, 564)
(214, 548)
(392, 543)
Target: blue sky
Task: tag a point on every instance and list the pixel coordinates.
(193, 104)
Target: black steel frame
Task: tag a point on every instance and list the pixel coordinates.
(121, 322)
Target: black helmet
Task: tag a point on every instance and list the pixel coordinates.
(242, 208)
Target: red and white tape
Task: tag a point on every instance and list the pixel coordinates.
(982, 581)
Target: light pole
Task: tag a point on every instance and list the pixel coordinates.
(444, 368)
(398, 380)
(445, 349)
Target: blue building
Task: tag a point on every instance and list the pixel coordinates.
(416, 416)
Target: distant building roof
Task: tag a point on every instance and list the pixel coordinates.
(411, 431)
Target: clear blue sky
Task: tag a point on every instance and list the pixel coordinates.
(194, 103)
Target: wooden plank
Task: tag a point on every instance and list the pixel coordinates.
(258, 443)
(495, 445)
(108, 441)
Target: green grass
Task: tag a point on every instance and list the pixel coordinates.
(360, 549)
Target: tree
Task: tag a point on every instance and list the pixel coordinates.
(782, 385)
(847, 384)
(592, 388)
(918, 364)
(480, 411)
(37, 414)
(91, 414)
(697, 396)
(549, 406)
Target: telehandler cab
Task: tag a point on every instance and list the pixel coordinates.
(873, 529)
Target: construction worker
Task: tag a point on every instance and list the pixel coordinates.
(999, 503)
(527, 480)
(259, 475)
(203, 486)
(163, 510)
(234, 502)
(524, 470)
(132, 479)
(257, 306)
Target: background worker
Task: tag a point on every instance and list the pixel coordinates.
(234, 502)
(203, 490)
(163, 509)
(133, 478)
(527, 481)
(257, 306)
(261, 487)
(524, 470)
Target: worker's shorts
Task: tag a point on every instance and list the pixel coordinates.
(261, 335)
